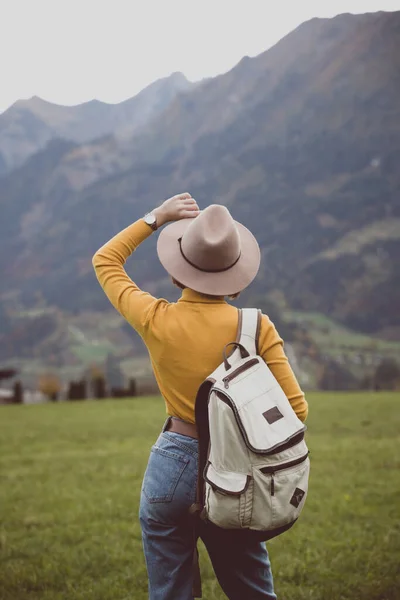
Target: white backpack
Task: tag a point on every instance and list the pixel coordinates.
(253, 459)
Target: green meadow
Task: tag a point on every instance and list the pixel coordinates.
(70, 477)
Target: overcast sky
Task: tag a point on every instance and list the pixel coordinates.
(70, 51)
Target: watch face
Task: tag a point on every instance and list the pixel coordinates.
(150, 219)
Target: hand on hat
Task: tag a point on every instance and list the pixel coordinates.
(181, 206)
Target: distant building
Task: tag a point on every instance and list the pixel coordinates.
(29, 397)
(5, 395)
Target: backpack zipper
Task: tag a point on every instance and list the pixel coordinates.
(241, 369)
(287, 465)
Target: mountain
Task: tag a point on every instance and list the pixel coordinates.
(28, 125)
(301, 143)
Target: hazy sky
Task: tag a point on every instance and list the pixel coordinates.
(70, 51)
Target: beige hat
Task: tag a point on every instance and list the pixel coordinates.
(211, 254)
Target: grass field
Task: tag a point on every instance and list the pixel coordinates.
(70, 477)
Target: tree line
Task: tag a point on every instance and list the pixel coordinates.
(95, 384)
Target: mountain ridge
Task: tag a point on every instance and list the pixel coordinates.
(27, 125)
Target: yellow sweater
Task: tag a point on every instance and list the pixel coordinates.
(184, 339)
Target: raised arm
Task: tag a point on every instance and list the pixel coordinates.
(135, 305)
(271, 350)
(130, 301)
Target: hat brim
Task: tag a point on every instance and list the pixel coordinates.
(224, 283)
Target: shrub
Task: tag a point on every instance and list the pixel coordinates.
(50, 386)
(387, 375)
(77, 390)
(18, 396)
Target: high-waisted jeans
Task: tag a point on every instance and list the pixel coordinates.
(169, 488)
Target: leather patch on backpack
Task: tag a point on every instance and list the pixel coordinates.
(273, 414)
(297, 497)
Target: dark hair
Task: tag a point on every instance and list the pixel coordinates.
(183, 287)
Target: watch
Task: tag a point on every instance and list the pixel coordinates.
(151, 220)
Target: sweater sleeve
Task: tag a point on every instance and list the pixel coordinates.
(135, 305)
(271, 350)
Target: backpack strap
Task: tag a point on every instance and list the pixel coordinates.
(249, 325)
(197, 508)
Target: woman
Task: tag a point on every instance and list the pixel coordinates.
(209, 256)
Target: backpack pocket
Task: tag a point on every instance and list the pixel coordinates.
(280, 491)
(264, 416)
(228, 497)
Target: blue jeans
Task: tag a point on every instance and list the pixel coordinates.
(168, 489)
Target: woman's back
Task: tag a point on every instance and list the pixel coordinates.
(185, 339)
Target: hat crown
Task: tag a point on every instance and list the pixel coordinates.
(212, 241)
(211, 254)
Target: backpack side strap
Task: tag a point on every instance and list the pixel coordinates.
(249, 325)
